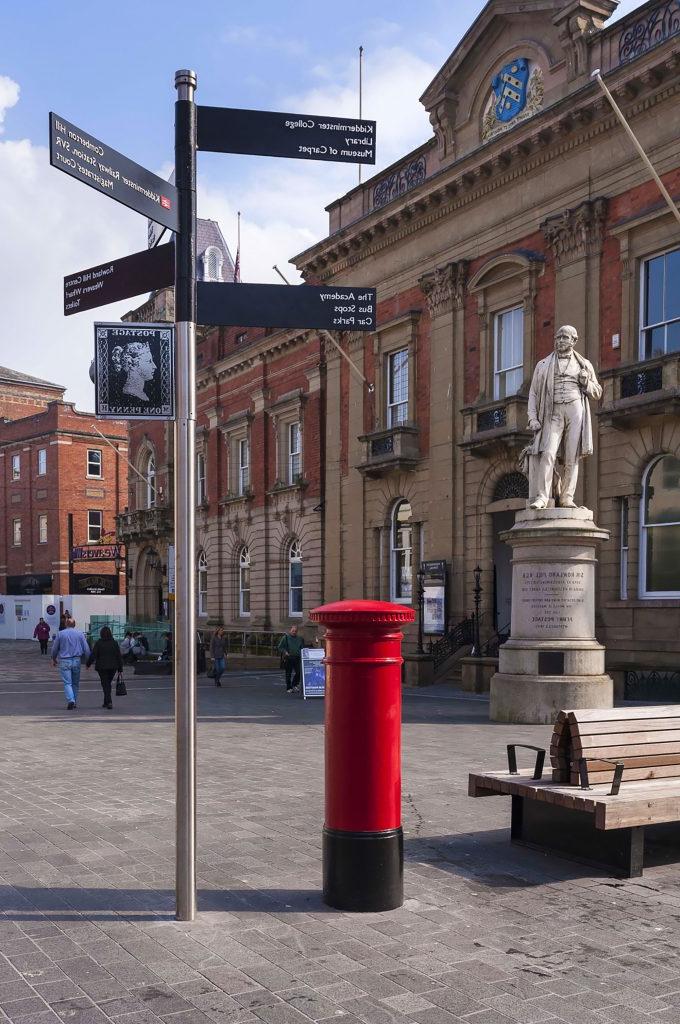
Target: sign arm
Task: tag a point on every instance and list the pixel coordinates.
(327, 334)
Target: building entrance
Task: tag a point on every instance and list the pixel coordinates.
(502, 571)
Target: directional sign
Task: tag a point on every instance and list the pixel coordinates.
(83, 157)
(144, 271)
(301, 136)
(281, 305)
(134, 371)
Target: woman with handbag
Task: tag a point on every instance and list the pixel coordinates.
(107, 661)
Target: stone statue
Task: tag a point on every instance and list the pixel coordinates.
(559, 415)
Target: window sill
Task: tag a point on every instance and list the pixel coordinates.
(280, 487)
(233, 499)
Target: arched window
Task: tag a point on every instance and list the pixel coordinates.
(660, 529)
(244, 581)
(212, 264)
(295, 579)
(512, 485)
(202, 584)
(401, 561)
(150, 476)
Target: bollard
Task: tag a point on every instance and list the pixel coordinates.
(363, 848)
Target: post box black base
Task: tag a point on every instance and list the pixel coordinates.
(363, 871)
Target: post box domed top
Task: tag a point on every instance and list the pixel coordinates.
(378, 613)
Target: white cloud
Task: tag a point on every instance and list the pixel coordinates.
(283, 201)
(53, 226)
(9, 96)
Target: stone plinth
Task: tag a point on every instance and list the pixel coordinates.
(552, 659)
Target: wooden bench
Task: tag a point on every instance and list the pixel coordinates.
(614, 772)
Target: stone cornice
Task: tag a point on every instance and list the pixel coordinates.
(259, 351)
(578, 118)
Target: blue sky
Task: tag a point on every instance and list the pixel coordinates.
(109, 68)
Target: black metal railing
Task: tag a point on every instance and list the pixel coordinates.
(461, 635)
(653, 684)
(494, 643)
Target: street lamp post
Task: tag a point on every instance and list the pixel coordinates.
(420, 578)
(121, 561)
(476, 650)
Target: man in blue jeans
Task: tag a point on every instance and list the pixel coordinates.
(68, 647)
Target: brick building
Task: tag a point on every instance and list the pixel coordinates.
(527, 209)
(60, 484)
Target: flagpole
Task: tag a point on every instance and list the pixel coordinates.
(237, 266)
(633, 138)
(361, 76)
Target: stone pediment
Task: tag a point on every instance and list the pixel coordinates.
(514, 60)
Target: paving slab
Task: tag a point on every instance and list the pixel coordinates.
(488, 933)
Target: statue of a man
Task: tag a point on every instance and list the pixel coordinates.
(559, 414)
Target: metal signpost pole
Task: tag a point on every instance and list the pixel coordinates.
(185, 500)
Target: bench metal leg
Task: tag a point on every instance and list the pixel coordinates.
(572, 834)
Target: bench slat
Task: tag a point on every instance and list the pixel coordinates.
(666, 739)
(606, 774)
(612, 714)
(627, 725)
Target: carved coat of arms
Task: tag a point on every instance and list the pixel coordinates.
(516, 93)
(510, 89)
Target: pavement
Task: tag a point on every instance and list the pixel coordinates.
(488, 933)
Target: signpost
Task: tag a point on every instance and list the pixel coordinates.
(144, 271)
(301, 136)
(135, 375)
(313, 672)
(134, 371)
(330, 307)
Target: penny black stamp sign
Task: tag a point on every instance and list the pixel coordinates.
(95, 164)
(134, 371)
(144, 271)
(301, 136)
(279, 305)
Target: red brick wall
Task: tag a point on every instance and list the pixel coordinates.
(66, 435)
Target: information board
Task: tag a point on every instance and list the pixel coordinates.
(328, 307)
(313, 672)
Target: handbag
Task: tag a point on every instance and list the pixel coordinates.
(210, 673)
(121, 688)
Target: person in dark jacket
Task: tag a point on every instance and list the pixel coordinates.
(218, 653)
(42, 633)
(290, 649)
(107, 661)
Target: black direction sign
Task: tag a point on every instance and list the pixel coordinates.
(302, 136)
(134, 371)
(144, 271)
(83, 157)
(281, 305)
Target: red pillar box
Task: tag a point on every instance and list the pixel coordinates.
(363, 854)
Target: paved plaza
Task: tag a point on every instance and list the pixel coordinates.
(488, 933)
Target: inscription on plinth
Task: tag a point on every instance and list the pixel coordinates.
(550, 602)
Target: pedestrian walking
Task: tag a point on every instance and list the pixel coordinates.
(107, 660)
(67, 649)
(290, 648)
(42, 633)
(63, 619)
(218, 653)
